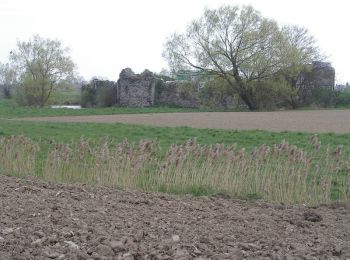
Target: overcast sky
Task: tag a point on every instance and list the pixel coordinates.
(107, 36)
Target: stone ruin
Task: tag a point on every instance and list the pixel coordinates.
(145, 89)
(136, 90)
(177, 93)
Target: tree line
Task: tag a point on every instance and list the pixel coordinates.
(246, 54)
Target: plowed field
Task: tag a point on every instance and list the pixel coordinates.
(337, 121)
(42, 220)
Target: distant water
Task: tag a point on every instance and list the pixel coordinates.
(68, 106)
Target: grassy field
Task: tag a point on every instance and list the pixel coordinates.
(9, 109)
(66, 132)
(203, 178)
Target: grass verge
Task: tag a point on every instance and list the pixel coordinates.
(9, 109)
(66, 132)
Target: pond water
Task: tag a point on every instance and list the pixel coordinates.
(67, 106)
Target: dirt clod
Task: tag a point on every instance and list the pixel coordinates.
(175, 238)
(7, 231)
(108, 226)
(104, 250)
(117, 246)
(72, 245)
(312, 216)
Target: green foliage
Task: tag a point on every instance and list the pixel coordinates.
(106, 97)
(69, 95)
(8, 80)
(87, 98)
(266, 94)
(342, 99)
(42, 65)
(321, 97)
(217, 93)
(242, 47)
(27, 93)
(272, 94)
(101, 93)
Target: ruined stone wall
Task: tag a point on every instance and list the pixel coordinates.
(136, 90)
(145, 89)
(177, 93)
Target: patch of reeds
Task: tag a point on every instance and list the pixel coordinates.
(281, 173)
(18, 156)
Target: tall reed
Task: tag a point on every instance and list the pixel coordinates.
(18, 155)
(281, 173)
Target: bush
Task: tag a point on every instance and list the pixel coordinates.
(105, 96)
(266, 94)
(102, 93)
(87, 98)
(322, 97)
(272, 94)
(342, 98)
(28, 94)
(217, 93)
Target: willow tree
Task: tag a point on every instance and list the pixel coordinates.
(236, 44)
(42, 65)
(300, 51)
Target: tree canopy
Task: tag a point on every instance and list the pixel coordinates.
(241, 46)
(42, 64)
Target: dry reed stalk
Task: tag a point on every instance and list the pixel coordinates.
(281, 173)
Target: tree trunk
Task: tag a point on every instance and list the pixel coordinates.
(244, 94)
(251, 104)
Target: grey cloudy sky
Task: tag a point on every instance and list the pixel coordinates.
(106, 36)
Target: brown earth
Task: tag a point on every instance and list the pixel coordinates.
(337, 121)
(41, 220)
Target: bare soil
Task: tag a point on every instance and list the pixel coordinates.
(42, 220)
(337, 121)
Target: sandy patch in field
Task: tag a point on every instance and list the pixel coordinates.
(337, 121)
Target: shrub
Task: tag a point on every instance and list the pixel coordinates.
(272, 94)
(342, 98)
(28, 94)
(101, 93)
(322, 97)
(87, 98)
(217, 93)
(106, 96)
